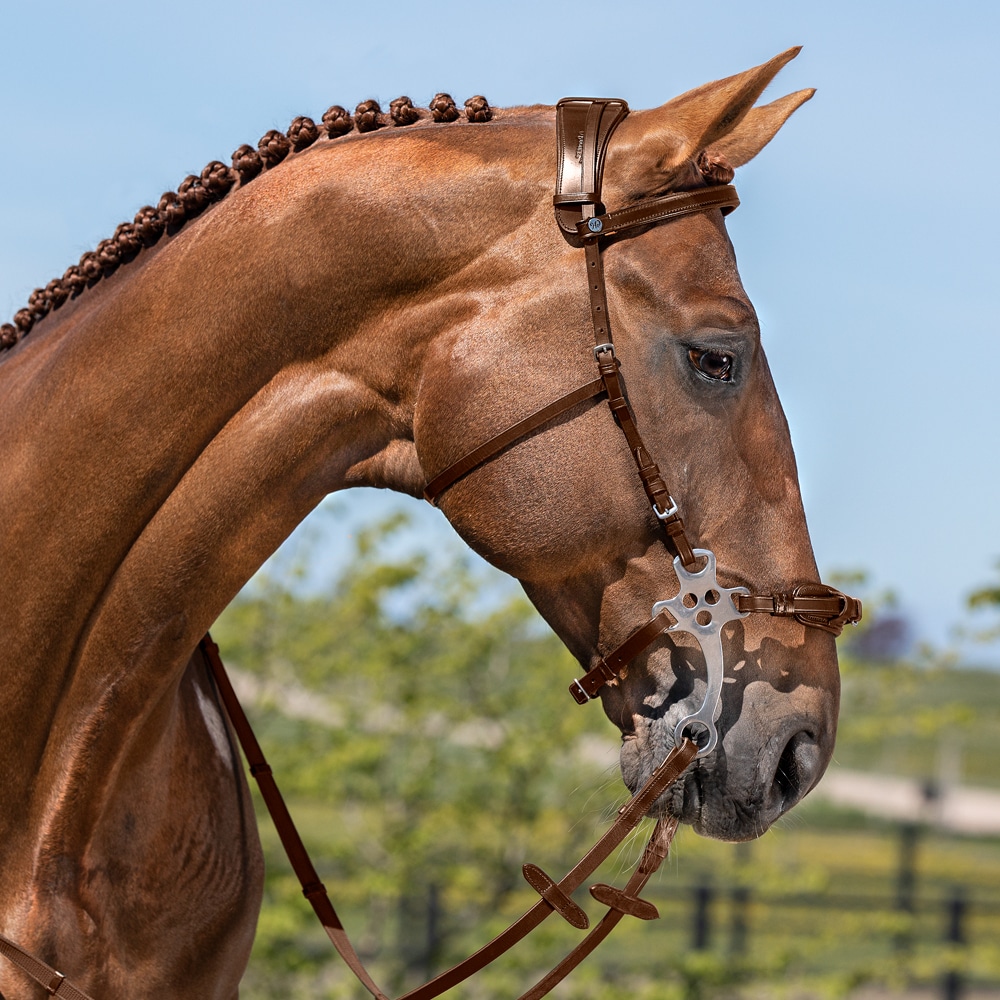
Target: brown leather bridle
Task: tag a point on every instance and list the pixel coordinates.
(584, 127)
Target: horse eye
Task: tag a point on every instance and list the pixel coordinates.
(714, 365)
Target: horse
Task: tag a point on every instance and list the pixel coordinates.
(360, 303)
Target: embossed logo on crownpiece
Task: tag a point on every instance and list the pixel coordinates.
(579, 147)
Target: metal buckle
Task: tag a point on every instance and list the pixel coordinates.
(579, 687)
(663, 515)
(602, 348)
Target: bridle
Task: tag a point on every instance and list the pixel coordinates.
(701, 607)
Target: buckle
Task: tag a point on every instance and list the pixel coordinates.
(580, 696)
(664, 515)
(607, 348)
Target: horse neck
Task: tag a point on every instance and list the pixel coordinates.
(167, 431)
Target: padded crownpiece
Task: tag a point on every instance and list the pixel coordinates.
(584, 126)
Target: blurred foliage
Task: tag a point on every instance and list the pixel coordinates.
(428, 749)
(919, 717)
(986, 598)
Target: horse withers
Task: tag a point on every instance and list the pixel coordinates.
(358, 304)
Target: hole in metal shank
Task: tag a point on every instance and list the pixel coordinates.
(712, 597)
(699, 564)
(689, 600)
(703, 618)
(698, 732)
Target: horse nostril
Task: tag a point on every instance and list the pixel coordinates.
(796, 771)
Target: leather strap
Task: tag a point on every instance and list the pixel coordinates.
(54, 983)
(555, 895)
(619, 899)
(609, 667)
(584, 126)
(547, 888)
(662, 209)
(814, 604)
(652, 482)
(312, 888)
(628, 817)
(619, 902)
(495, 445)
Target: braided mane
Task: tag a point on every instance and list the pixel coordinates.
(197, 191)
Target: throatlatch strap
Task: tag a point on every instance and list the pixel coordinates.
(515, 432)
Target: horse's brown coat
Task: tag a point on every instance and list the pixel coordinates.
(363, 313)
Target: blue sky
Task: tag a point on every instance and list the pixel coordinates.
(866, 236)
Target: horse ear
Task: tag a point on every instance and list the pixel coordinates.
(669, 137)
(758, 128)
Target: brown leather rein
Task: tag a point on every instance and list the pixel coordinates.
(554, 895)
(584, 127)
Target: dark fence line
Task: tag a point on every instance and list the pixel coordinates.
(954, 907)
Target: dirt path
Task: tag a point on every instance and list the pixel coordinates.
(959, 809)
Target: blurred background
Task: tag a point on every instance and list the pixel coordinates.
(866, 241)
(426, 742)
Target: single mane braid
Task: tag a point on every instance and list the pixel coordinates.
(198, 191)
(368, 116)
(443, 108)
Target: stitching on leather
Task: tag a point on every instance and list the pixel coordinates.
(534, 877)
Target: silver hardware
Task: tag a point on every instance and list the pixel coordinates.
(604, 348)
(582, 690)
(664, 514)
(711, 608)
(595, 225)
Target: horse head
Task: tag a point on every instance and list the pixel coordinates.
(563, 509)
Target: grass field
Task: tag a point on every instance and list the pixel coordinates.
(925, 723)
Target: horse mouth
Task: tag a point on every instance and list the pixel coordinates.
(731, 794)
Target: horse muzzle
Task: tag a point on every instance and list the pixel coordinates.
(767, 758)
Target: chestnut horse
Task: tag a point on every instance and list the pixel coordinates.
(363, 312)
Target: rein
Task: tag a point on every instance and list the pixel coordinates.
(701, 607)
(555, 896)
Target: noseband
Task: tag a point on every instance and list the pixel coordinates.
(702, 607)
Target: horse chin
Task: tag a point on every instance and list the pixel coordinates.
(739, 789)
